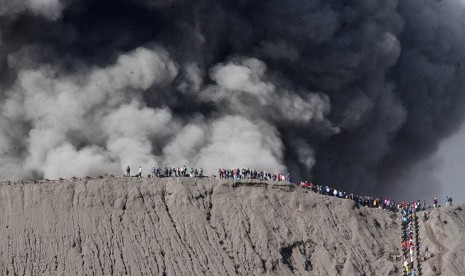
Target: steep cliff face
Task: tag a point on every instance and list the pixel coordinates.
(131, 226)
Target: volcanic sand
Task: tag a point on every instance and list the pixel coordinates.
(183, 226)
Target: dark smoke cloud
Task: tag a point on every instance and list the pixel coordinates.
(351, 93)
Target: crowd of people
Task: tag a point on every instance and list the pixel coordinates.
(408, 211)
(253, 174)
(168, 172)
(409, 237)
(410, 246)
(235, 174)
(367, 201)
(222, 173)
(370, 201)
(247, 173)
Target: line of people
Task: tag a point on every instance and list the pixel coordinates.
(409, 238)
(168, 172)
(370, 201)
(247, 173)
(252, 174)
(367, 201)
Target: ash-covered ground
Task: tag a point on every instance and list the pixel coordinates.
(183, 226)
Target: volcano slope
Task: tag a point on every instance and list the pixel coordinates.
(444, 234)
(182, 226)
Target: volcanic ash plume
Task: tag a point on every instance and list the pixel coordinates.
(348, 93)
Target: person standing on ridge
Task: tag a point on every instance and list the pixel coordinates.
(128, 171)
(153, 171)
(140, 172)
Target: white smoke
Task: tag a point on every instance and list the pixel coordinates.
(95, 121)
(193, 79)
(235, 142)
(50, 9)
(243, 87)
(229, 141)
(100, 110)
(67, 161)
(132, 129)
(183, 150)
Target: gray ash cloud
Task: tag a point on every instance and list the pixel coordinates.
(351, 93)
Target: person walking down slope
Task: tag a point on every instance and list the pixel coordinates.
(140, 172)
(128, 171)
